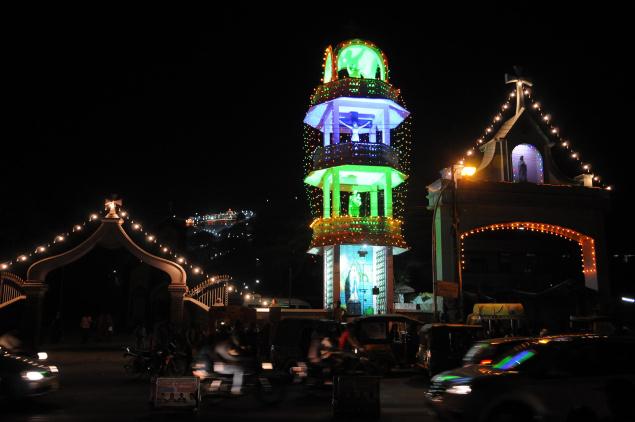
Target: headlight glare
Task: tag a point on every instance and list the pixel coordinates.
(459, 389)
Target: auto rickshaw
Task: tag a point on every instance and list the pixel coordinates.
(442, 346)
(389, 340)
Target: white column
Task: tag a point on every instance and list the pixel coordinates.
(336, 122)
(386, 128)
(373, 133)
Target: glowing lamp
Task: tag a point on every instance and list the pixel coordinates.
(468, 171)
(59, 238)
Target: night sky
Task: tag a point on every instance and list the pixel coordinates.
(180, 114)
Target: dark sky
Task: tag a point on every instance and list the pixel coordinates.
(204, 110)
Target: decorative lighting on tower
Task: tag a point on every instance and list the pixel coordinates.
(357, 143)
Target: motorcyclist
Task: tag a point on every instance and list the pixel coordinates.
(235, 354)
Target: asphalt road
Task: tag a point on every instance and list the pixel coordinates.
(95, 387)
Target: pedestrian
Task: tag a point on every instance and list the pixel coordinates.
(84, 325)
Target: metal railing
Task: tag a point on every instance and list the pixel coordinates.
(363, 153)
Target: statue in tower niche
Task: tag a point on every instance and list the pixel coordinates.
(522, 170)
(354, 203)
(354, 127)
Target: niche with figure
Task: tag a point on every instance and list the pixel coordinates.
(527, 164)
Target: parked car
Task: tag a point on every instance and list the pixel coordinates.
(442, 346)
(484, 352)
(560, 378)
(22, 377)
(388, 340)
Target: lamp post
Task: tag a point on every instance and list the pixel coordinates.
(453, 183)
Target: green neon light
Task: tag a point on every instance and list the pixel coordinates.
(361, 62)
(358, 177)
(328, 71)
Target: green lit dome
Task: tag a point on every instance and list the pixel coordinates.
(355, 59)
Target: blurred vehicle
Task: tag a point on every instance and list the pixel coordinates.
(560, 378)
(389, 341)
(442, 346)
(21, 377)
(292, 337)
(499, 319)
(231, 368)
(484, 352)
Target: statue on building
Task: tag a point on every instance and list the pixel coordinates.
(522, 170)
(354, 204)
(355, 128)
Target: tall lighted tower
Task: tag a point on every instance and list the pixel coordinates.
(357, 143)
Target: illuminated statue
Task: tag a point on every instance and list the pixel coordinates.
(354, 202)
(355, 127)
(522, 170)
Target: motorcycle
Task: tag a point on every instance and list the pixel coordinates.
(162, 362)
(258, 379)
(322, 373)
(139, 363)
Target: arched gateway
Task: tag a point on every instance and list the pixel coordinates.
(509, 181)
(110, 234)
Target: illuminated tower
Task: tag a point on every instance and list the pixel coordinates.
(357, 143)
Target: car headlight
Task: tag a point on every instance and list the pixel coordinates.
(32, 375)
(459, 389)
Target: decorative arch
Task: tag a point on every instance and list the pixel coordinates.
(586, 243)
(110, 234)
(533, 161)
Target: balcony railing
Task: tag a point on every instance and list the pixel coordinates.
(354, 87)
(379, 231)
(372, 154)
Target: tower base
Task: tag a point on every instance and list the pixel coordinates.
(359, 278)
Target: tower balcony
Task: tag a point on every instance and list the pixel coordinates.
(345, 230)
(365, 153)
(354, 87)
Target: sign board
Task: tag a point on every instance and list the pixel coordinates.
(448, 289)
(182, 392)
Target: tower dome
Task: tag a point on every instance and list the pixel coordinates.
(355, 58)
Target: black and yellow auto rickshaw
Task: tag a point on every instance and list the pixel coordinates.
(442, 346)
(499, 319)
(389, 341)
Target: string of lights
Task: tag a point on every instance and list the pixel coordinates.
(547, 120)
(164, 250)
(563, 232)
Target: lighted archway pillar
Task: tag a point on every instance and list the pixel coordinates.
(32, 313)
(177, 293)
(589, 264)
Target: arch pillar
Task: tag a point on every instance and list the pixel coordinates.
(177, 294)
(31, 324)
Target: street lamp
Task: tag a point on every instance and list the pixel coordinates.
(463, 171)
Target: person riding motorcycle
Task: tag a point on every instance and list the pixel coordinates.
(235, 354)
